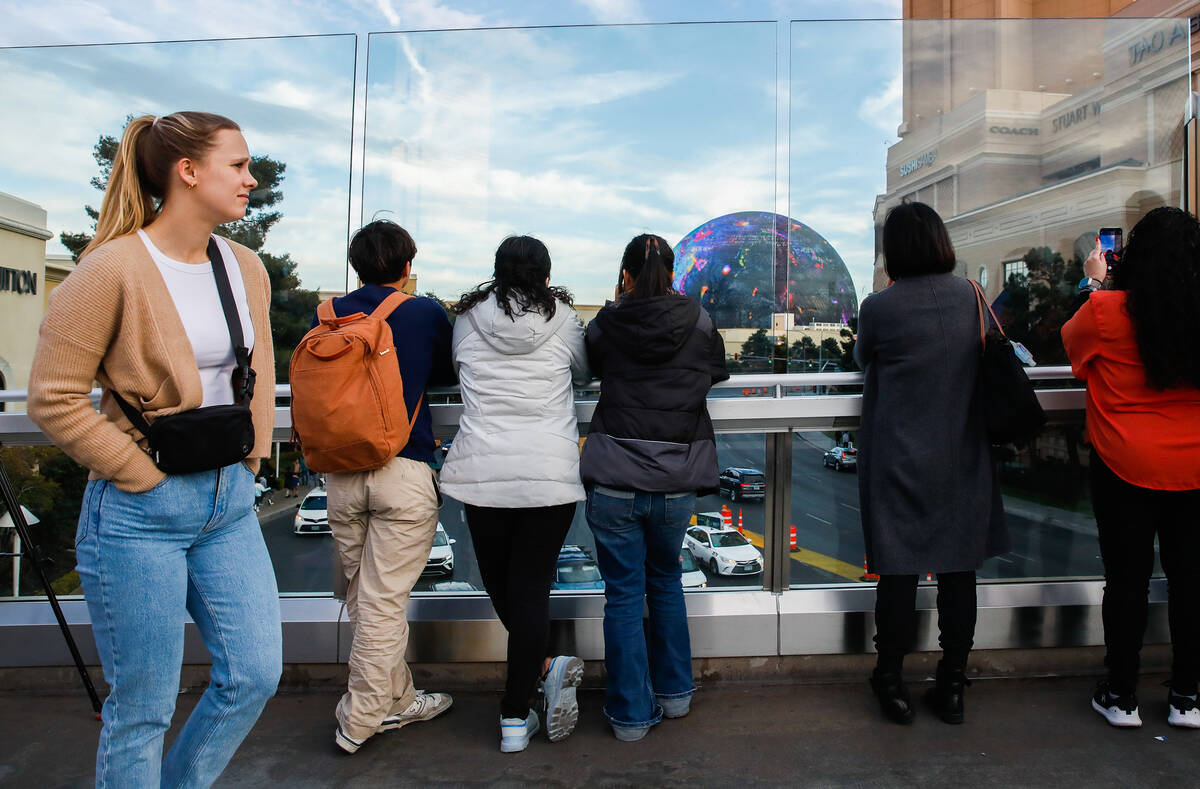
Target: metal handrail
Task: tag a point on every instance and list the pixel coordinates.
(282, 391)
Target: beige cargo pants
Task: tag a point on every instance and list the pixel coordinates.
(383, 522)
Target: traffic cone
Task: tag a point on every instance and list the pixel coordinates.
(867, 574)
(792, 541)
(740, 529)
(726, 517)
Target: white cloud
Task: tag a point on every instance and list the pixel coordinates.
(614, 10)
(884, 109)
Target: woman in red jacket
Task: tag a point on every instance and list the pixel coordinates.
(1136, 347)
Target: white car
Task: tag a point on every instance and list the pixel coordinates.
(723, 551)
(312, 517)
(693, 577)
(441, 555)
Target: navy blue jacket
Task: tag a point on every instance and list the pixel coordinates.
(421, 332)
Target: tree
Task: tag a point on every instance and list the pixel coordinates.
(292, 306)
(1033, 306)
(803, 348)
(759, 344)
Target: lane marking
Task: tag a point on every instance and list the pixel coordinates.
(814, 559)
(822, 520)
(848, 506)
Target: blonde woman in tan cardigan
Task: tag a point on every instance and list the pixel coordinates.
(167, 525)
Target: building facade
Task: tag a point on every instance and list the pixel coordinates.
(23, 287)
(1064, 126)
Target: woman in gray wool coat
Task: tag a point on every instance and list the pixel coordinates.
(930, 499)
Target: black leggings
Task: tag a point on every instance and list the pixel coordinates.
(1127, 519)
(517, 550)
(896, 619)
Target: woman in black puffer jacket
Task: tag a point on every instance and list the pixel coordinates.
(650, 450)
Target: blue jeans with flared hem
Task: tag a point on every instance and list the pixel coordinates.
(190, 545)
(639, 537)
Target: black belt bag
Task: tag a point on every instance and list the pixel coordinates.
(216, 436)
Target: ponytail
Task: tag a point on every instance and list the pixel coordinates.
(651, 263)
(149, 149)
(126, 205)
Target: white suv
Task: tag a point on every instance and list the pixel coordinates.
(723, 551)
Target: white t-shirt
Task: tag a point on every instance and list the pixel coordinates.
(194, 292)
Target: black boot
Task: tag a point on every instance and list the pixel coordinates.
(893, 697)
(945, 698)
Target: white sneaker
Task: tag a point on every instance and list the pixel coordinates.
(1182, 710)
(558, 688)
(346, 742)
(1119, 711)
(516, 733)
(425, 706)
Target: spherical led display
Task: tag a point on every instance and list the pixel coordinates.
(746, 266)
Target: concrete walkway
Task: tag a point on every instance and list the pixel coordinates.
(1019, 733)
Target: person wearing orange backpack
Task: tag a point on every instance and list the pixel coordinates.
(383, 519)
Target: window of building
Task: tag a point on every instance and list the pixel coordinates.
(1015, 267)
(983, 277)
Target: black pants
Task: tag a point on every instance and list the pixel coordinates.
(1127, 518)
(896, 619)
(517, 550)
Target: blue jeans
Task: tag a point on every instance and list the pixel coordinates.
(191, 544)
(638, 540)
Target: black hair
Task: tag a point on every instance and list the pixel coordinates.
(381, 252)
(522, 268)
(650, 262)
(1160, 274)
(915, 242)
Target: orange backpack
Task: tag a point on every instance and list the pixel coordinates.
(348, 410)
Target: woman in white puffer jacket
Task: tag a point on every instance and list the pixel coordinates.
(518, 348)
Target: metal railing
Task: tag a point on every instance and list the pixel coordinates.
(771, 620)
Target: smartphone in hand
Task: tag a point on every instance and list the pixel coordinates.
(1110, 244)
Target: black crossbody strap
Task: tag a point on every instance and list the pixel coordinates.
(240, 353)
(132, 414)
(227, 303)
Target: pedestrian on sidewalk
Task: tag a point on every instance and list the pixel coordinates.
(143, 314)
(929, 495)
(518, 348)
(383, 520)
(1134, 342)
(649, 453)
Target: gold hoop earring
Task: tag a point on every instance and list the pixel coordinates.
(192, 185)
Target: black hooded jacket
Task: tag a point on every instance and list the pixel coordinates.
(657, 359)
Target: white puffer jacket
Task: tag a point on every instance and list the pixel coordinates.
(517, 442)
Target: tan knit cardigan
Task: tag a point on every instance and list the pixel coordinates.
(113, 321)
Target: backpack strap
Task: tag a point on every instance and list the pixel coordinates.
(389, 305)
(325, 312)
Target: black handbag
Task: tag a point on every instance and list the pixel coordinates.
(1010, 406)
(212, 437)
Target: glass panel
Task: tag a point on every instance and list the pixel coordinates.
(67, 106)
(1026, 148)
(583, 137)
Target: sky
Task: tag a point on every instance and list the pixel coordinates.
(487, 124)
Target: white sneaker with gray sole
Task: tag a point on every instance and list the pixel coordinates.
(425, 706)
(558, 688)
(515, 733)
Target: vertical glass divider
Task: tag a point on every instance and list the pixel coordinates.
(777, 508)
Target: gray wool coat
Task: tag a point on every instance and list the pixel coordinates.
(929, 495)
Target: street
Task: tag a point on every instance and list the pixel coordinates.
(1048, 542)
